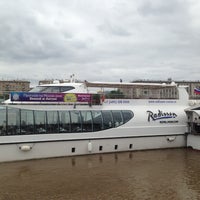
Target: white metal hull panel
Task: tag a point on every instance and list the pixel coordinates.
(120, 132)
(13, 152)
(193, 141)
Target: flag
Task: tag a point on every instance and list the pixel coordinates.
(196, 91)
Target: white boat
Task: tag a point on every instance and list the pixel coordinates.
(76, 122)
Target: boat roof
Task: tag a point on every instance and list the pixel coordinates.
(129, 85)
(114, 85)
(60, 84)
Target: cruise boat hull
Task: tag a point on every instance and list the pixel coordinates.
(142, 132)
(49, 149)
(193, 141)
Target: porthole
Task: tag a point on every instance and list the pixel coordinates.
(73, 149)
(100, 148)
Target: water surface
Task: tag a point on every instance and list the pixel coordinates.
(157, 174)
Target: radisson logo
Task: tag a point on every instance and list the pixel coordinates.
(160, 115)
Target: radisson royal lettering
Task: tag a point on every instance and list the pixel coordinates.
(160, 115)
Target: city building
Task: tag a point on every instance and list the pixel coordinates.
(146, 92)
(23, 86)
(13, 85)
(166, 92)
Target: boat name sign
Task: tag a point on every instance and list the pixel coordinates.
(162, 116)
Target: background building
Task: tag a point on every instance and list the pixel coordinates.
(166, 92)
(13, 85)
(149, 93)
(23, 86)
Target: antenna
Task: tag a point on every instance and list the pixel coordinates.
(72, 80)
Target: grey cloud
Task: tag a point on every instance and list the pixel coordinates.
(26, 40)
(161, 8)
(96, 39)
(113, 29)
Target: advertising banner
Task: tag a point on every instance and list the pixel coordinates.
(50, 97)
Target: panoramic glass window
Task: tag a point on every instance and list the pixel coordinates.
(27, 122)
(97, 120)
(51, 89)
(66, 88)
(87, 121)
(52, 122)
(21, 121)
(38, 89)
(117, 118)
(76, 124)
(3, 123)
(13, 124)
(40, 122)
(65, 122)
(127, 115)
(107, 119)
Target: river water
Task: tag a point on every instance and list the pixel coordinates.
(157, 174)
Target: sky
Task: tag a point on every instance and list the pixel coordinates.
(100, 40)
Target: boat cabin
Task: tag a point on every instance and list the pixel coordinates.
(193, 120)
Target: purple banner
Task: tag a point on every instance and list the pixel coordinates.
(50, 97)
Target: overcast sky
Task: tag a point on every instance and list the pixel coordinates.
(100, 40)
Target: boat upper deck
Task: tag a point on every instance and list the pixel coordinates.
(94, 93)
(122, 90)
(129, 85)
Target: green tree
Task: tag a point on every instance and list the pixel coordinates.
(115, 94)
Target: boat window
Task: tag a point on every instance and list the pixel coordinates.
(117, 118)
(66, 88)
(196, 128)
(76, 124)
(40, 122)
(38, 89)
(97, 120)
(3, 123)
(87, 124)
(127, 115)
(13, 125)
(27, 122)
(52, 89)
(107, 119)
(65, 122)
(21, 121)
(52, 122)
